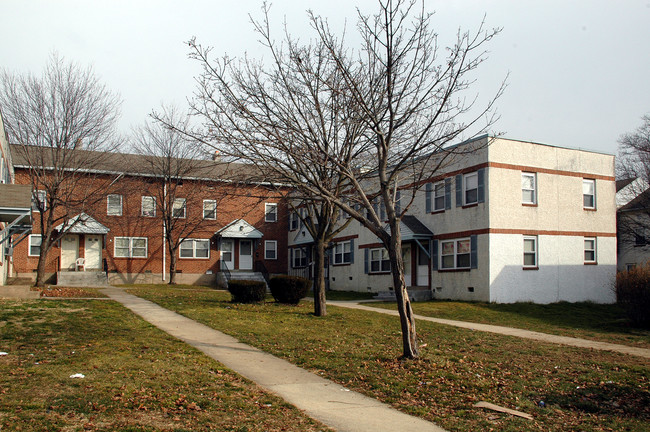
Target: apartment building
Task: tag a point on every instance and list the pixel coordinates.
(513, 221)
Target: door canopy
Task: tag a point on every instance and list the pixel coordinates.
(82, 224)
(239, 229)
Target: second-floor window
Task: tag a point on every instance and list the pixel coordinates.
(589, 193)
(114, 205)
(528, 188)
(148, 206)
(293, 221)
(439, 196)
(179, 208)
(470, 188)
(210, 209)
(39, 200)
(270, 212)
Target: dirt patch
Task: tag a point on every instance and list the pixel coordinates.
(71, 292)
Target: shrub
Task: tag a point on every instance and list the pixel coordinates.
(288, 289)
(633, 294)
(247, 291)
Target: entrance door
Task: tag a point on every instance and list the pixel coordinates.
(423, 266)
(406, 257)
(69, 251)
(93, 252)
(245, 254)
(227, 256)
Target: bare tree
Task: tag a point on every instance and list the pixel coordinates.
(395, 106)
(61, 124)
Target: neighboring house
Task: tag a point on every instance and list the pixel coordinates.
(240, 226)
(633, 223)
(15, 208)
(514, 221)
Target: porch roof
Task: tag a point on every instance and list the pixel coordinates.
(83, 224)
(239, 228)
(412, 229)
(15, 201)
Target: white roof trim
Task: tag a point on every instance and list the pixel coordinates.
(239, 228)
(83, 224)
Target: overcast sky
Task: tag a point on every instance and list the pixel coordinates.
(579, 69)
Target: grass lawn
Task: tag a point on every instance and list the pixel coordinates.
(137, 378)
(582, 389)
(606, 323)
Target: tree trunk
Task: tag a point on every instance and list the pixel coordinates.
(320, 307)
(172, 266)
(407, 321)
(42, 257)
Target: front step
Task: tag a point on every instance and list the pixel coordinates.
(82, 279)
(18, 292)
(413, 293)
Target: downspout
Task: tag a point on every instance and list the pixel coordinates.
(164, 231)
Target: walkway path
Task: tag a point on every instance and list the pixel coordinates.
(323, 400)
(526, 334)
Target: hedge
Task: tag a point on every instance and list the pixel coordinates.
(288, 289)
(247, 291)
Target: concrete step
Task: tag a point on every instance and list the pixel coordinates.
(18, 292)
(82, 279)
(20, 281)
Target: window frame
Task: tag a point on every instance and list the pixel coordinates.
(535, 252)
(382, 261)
(193, 249)
(183, 207)
(473, 174)
(435, 197)
(142, 211)
(593, 194)
(274, 243)
(294, 221)
(594, 250)
(31, 244)
(214, 210)
(339, 256)
(268, 212)
(302, 255)
(533, 190)
(39, 204)
(455, 254)
(130, 247)
(110, 212)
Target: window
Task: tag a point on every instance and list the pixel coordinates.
(131, 247)
(343, 252)
(195, 248)
(114, 205)
(293, 221)
(455, 254)
(630, 266)
(39, 200)
(439, 196)
(590, 249)
(148, 206)
(589, 193)
(270, 212)
(379, 261)
(35, 244)
(530, 252)
(528, 188)
(179, 208)
(210, 209)
(270, 249)
(470, 188)
(226, 250)
(299, 258)
(379, 208)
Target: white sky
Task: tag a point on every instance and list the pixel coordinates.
(579, 69)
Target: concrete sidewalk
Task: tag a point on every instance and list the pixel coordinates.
(323, 400)
(510, 331)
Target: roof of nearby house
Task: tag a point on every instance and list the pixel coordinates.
(83, 224)
(142, 165)
(620, 184)
(641, 202)
(411, 227)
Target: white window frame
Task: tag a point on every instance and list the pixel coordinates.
(211, 210)
(383, 261)
(183, 207)
(32, 237)
(434, 191)
(466, 177)
(39, 200)
(534, 253)
(142, 210)
(193, 249)
(112, 209)
(130, 247)
(274, 249)
(593, 250)
(294, 221)
(298, 256)
(270, 209)
(455, 254)
(524, 189)
(339, 253)
(591, 182)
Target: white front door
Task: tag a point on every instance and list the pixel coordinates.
(245, 254)
(69, 251)
(406, 257)
(93, 252)
(423, 266)
(227, 256)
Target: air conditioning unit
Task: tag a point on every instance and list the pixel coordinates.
(9, 251)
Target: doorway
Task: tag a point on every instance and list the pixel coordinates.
(69, 251)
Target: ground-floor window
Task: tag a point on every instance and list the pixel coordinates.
(379, 260)
(343, 252)
(195, 248)
(131, 247)
(270, 249)
(299, 258)
(590, 250)
(455, 254)
(530, 251)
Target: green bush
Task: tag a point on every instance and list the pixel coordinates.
(288, 289)
(247, 291)
(633, 293)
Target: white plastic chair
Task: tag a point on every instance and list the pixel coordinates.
(81, 262)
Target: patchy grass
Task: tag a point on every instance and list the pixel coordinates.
(606, 323)
(137, 378)
(582, 389)
(69, 292)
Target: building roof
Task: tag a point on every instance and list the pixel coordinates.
(239, 228)
(14, 196)
(83, 224)
(620, 184)
(412, 229)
